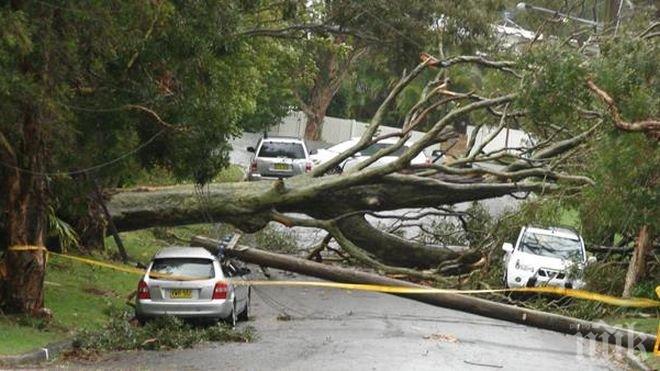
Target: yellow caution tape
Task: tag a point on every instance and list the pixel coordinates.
(27, 248)
(580, 294)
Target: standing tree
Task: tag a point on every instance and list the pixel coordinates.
(333, 36)
(92, 91)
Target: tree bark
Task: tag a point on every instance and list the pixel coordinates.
(482, 307)
(25, 200)
(331, 73)
(391, 249)
(637, 264)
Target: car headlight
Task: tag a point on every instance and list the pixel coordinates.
(524, 267)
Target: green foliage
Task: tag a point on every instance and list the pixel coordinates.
(554, 86)
(473, 230)
(80, 68)
(275, 239)
(58, 228)
(162, 333)
(626, 195)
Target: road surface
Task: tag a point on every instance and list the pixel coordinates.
(333, 329)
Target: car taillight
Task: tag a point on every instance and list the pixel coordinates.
(308, 166)
(143, 290)
(253, 165)
(220, 290)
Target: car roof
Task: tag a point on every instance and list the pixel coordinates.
(183, 252)
(555, 231)
(282, 139)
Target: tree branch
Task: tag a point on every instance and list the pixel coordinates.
(651, 127)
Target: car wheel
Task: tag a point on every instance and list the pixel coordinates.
(244, 315)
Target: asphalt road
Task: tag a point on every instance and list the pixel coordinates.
(346, 330)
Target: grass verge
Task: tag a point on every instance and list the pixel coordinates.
(83, 298)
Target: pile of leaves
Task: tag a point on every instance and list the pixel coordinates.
(162, 333)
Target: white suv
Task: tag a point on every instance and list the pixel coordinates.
(546, 257)
(278, 157)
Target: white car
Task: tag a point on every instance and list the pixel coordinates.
(190, 282)
(546, 257)
(278, 157)
(326, 154)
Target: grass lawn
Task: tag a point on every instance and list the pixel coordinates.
(81, 296)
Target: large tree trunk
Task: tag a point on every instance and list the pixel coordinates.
(315, 113)
(25, 227)
(391, 249)
(332, 70)
(249, 205)
(637, 264)
(482, 307)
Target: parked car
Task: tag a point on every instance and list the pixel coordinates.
(552, 256)
(191, 282)
(278, 157)
(324, 155)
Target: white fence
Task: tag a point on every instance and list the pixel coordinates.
(336, 130)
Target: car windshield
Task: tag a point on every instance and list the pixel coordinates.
(282, 149)
(182, 269)
(372, 149)
(551, 246)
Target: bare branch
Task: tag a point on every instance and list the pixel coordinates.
(300, 30)
(501, 65)
(651, 127)
(367, 136)
(155, 115)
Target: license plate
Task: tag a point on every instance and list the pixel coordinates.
(281, 166)
(180, 294)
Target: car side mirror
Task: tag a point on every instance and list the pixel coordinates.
(251, 149)
(507, 247)
(591, 259)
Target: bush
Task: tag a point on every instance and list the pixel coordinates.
(162, 333)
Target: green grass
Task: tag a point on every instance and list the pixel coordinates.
(647, 325)
(81, 296)
(162, 177)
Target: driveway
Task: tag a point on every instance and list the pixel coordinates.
(327, 329)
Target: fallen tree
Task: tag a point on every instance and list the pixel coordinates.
(338, 203)
(486, 308)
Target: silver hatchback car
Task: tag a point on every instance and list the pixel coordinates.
(190, 282)
(278, 157)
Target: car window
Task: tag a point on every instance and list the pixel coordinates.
(282, 149)
(182, 269)
(372, 149)
(551, 246)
